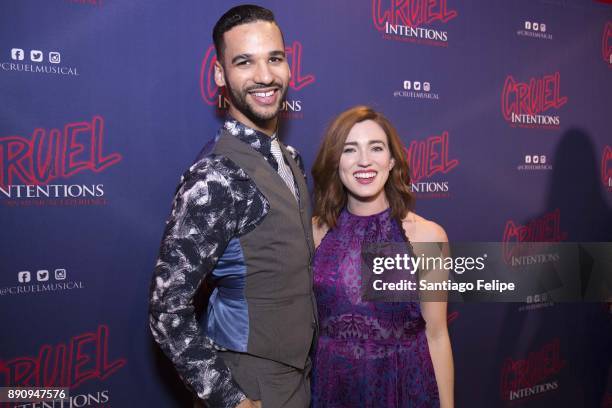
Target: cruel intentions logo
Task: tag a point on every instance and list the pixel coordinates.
(529, 104)
(428, 158)
(546, 228)
(606, 44)
(606, 168)
(291, 109)
(534, 375)
(29, 167)
(82, 359)
(408, 20)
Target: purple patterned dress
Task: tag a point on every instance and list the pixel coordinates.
(369, 354)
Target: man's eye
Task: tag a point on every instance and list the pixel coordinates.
(276, 59)
(246, 62)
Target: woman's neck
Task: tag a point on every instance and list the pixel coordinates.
(366, 207)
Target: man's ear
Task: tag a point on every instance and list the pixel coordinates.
(219, 74)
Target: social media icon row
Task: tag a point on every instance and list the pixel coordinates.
(19, 54)
(535, 26)
(537, 298)
(416, 85)
(535, 159)
(42, 275)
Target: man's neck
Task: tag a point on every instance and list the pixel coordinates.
(268, 127)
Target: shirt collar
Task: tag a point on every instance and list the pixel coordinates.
(256, 139)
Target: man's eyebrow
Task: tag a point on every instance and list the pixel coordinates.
(277, 53)
(240, 57)
(246, 56)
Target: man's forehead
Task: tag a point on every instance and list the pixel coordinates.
(257, 36)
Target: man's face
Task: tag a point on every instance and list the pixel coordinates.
(255, 71)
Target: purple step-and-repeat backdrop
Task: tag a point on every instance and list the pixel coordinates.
(504, 109)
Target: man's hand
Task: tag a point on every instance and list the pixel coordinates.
(247, 403)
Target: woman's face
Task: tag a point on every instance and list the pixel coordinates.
(365, 162)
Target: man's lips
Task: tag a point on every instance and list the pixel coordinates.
(265, 96)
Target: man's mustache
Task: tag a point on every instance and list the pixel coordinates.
(264, 86)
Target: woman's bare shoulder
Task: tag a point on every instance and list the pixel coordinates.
(420, 229)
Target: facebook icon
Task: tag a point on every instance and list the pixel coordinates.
(24, 277)
(17, 54)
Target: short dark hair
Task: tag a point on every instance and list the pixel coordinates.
(243, 14)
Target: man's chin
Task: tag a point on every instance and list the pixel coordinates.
(262, 116)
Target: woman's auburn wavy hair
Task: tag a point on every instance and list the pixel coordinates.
(330, 195)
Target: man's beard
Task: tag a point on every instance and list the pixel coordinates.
(238, 100)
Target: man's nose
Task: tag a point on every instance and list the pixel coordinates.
(263, 75)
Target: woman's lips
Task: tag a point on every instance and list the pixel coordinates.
(364, 177)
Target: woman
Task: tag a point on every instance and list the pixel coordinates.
(371, 354)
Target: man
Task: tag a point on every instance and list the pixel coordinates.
(241, 222)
